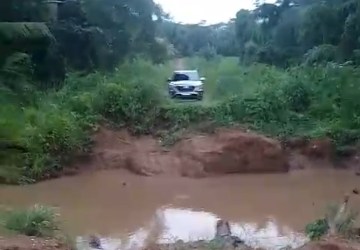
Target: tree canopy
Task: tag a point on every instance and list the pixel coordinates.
(93, 35)
(280, 33)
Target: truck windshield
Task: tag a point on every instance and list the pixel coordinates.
(192, 76)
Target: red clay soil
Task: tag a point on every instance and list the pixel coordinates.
(325, 244)
(321, 148)
(332, 244)
(30, 243)
(224, 152)
(231, 152)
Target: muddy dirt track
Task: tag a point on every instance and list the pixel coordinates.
(179, 64)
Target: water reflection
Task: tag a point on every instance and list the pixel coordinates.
(172, 224)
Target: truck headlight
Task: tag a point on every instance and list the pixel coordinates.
(199, 88)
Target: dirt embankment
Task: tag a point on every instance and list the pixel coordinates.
(332, 244)
(322, 245)
(31, 243)
(224, 152)
(227, 151)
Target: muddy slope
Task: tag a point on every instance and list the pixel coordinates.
(31, 243)
(332, 244)
(227, 151)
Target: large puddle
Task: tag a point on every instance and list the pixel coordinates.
(268, 211)
(173, 224)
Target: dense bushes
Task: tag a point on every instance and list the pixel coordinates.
(49, 135)
(301, 101)
(52, 136)
(135, 105)
(308, 101)
(321, 54)
(55, 126)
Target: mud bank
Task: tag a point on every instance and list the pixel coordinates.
(332, 244)
(322, 245)
(31, 243)
(227, 151)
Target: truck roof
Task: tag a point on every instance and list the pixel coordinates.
(185, 71)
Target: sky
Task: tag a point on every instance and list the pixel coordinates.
(212, 11)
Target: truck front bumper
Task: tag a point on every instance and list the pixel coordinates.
(174, 93)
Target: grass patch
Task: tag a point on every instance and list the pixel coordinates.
(317, 229)
(38, 220)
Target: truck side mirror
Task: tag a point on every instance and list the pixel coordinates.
(203, 79)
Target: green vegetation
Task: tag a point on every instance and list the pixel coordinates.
(279, 69)
(338, 220)
(283, 33)
(300, 101)
(317, 229)
(37, 221)
(47, 111)
(58, 124)
(307, 101)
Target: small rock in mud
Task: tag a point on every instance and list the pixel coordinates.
(355, 191)
(222, 228)
(94, 242)
(224, 236)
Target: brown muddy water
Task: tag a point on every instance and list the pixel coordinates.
(265, 210)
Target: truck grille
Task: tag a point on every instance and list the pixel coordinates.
(185, 88)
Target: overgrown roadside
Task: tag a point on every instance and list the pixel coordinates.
(40, 138)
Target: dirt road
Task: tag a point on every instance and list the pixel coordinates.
(179, 64)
